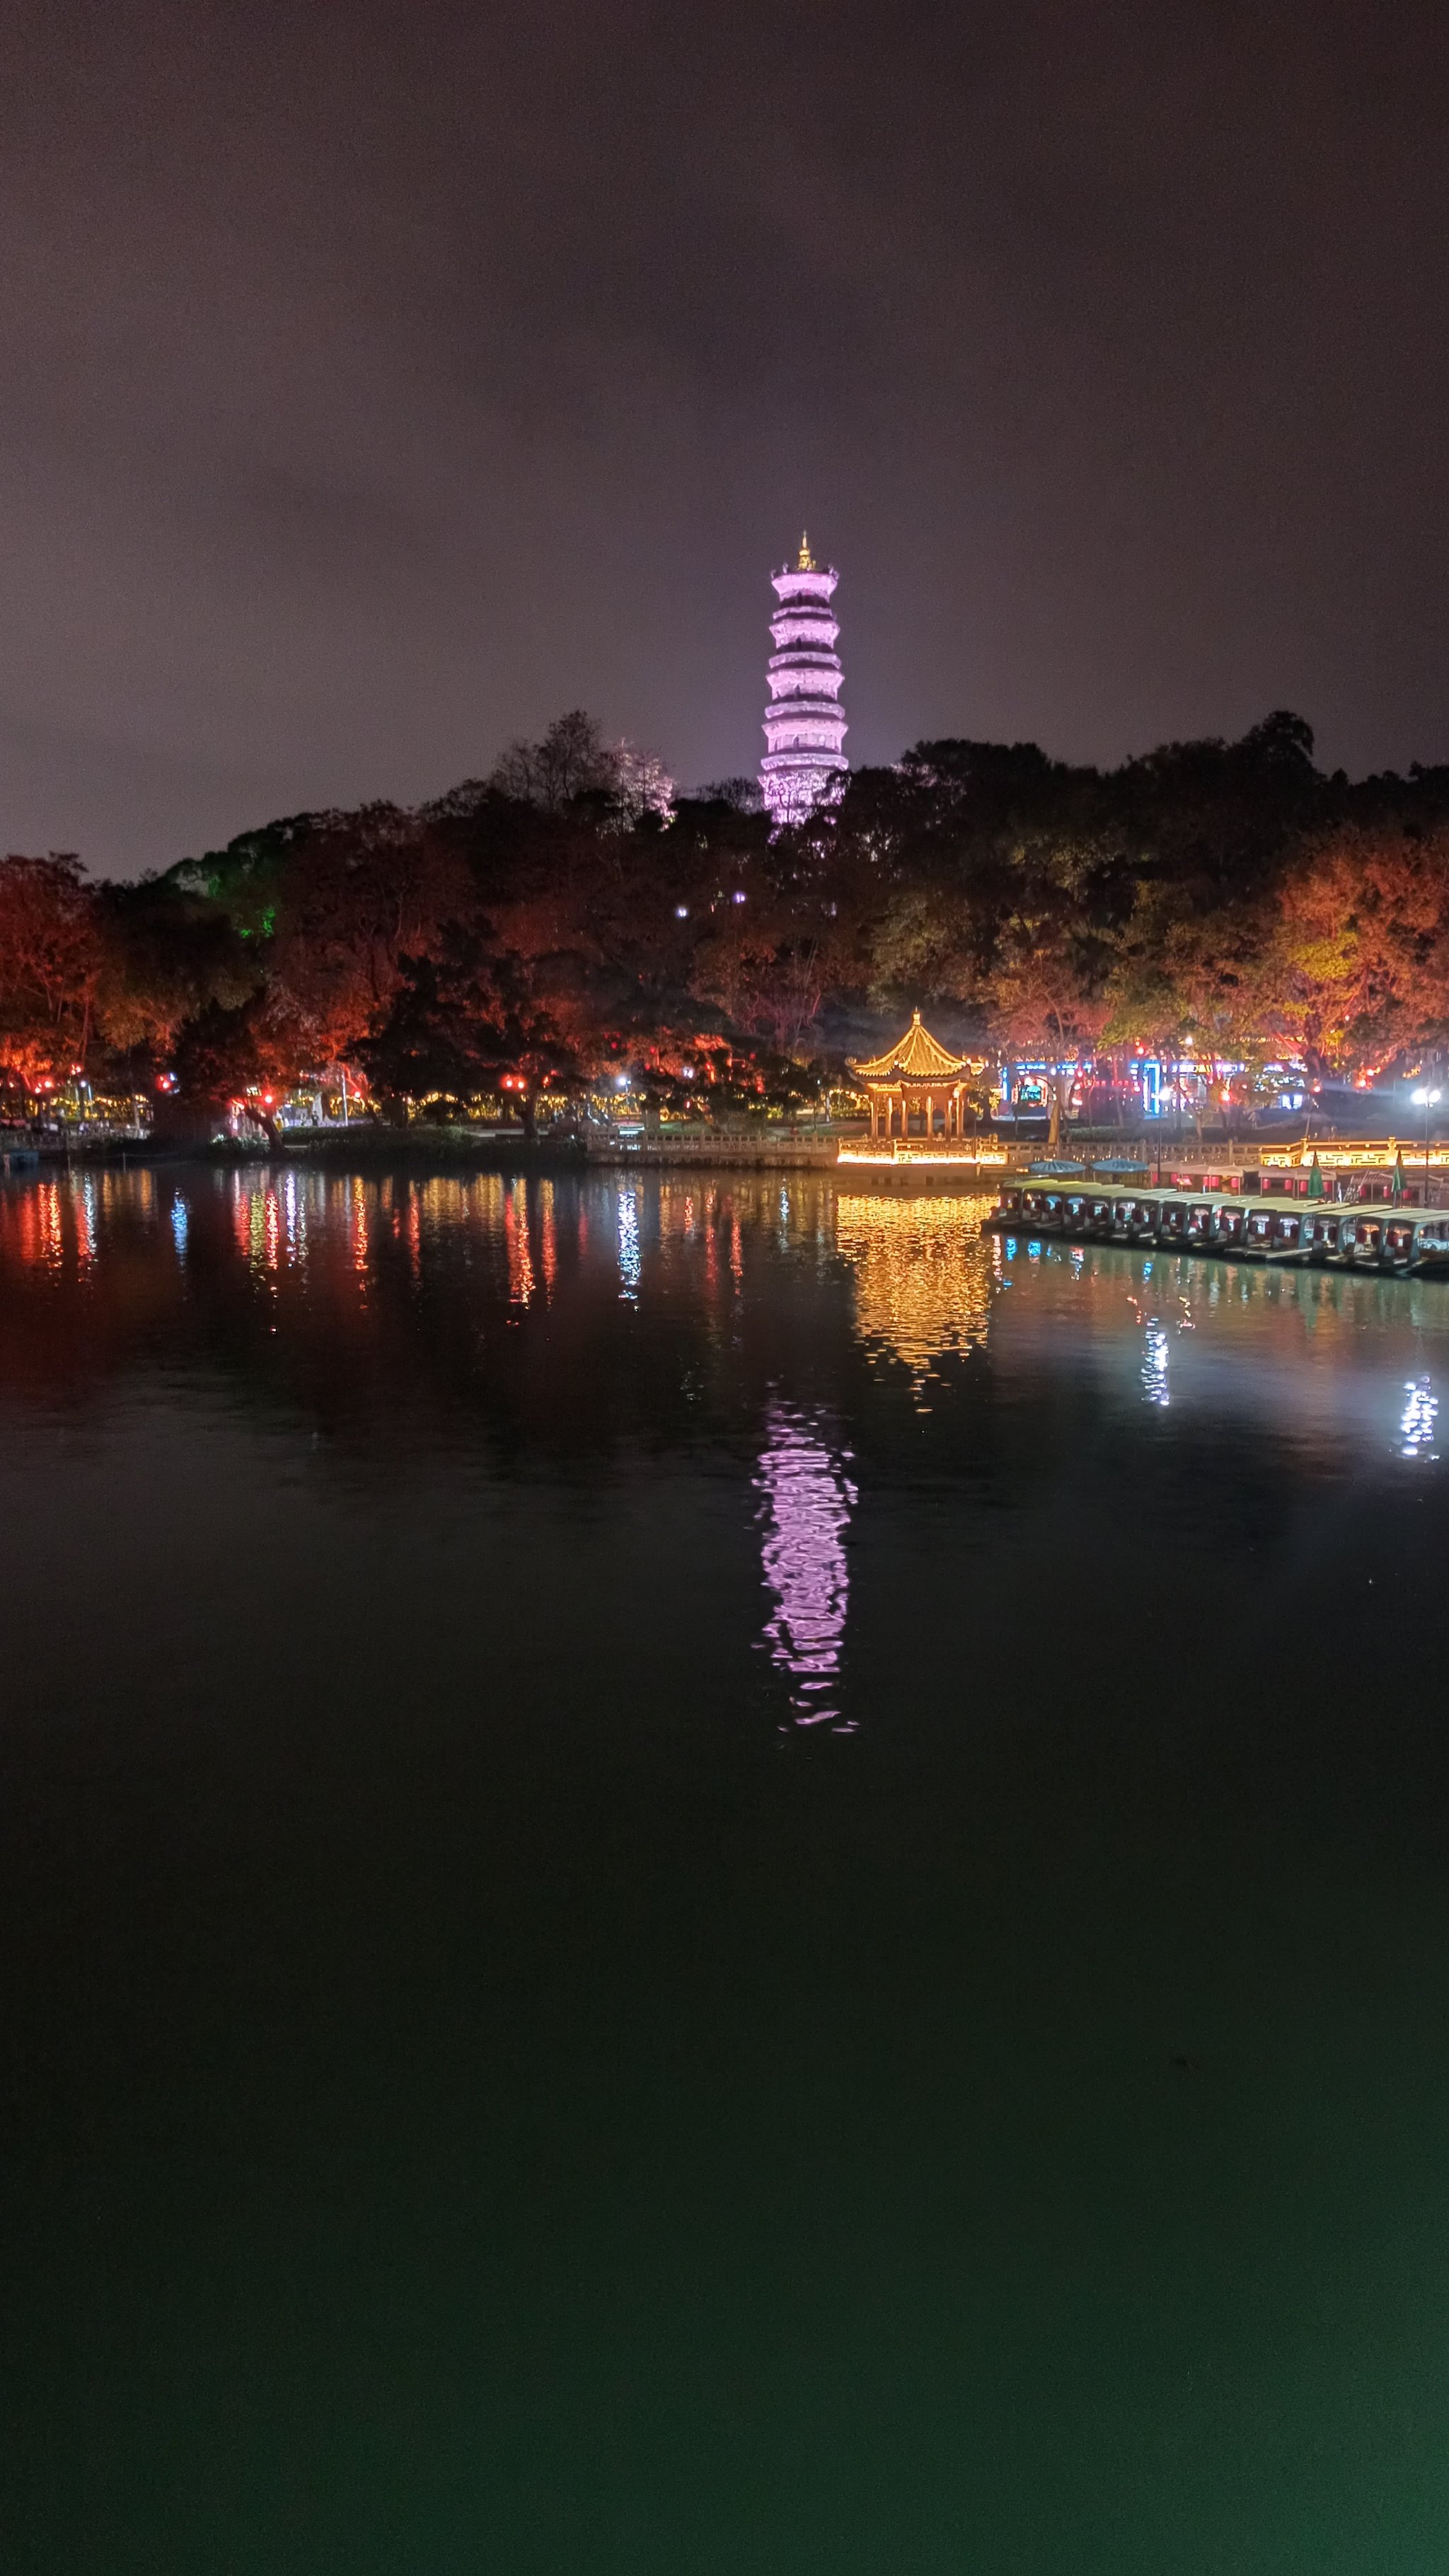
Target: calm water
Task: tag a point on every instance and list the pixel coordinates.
(713, 1878)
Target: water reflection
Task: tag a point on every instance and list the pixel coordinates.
(429, 1760)
(1418, 1419)
(630, 1262)
(806, 1505)
(1154, 1362)
(515, 1235)
(368, 1304)
(923, 1275)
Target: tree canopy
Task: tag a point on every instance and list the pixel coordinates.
(571, 908)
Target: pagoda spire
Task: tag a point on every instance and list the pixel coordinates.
(805, 728)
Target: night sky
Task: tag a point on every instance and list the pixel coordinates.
(381, 381)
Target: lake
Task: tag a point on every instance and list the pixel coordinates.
(709, 1874)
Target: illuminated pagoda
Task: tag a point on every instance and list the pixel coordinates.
(804, 763)
(914, 1082)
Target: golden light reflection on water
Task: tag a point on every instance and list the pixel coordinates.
(521, 1281)
(923, 1274)
(357, 1211)
(907, 1280)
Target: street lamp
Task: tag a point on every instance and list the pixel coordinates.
(1427, 1100)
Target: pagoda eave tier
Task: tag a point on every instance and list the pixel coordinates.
(917, 1057)
(791, 582)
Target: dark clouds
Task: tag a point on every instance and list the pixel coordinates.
(381, 381)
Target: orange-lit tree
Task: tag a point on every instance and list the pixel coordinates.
(1358, 966)
(50, 962)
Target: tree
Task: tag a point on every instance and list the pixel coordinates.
(574, 760)
(165, 953)
(641, 783)
(50, 963)
(742, 795)
(456, 1026)
(366, 891)
(567, 909)
(224, 1055)
(1359, 967)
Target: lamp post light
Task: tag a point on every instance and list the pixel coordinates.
(1427, 1100)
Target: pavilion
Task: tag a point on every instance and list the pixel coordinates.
(914, 1082)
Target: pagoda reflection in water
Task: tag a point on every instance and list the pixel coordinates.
(924, 1273)
(806, 1507)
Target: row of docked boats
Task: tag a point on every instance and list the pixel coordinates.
(1377, 1236)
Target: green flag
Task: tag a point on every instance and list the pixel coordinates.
(1315, 1181)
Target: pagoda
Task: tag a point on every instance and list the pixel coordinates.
(916, 1079)
(804, 763)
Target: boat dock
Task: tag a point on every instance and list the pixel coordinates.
(1381, 1235)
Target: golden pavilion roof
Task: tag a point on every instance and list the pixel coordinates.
(914, 1058)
